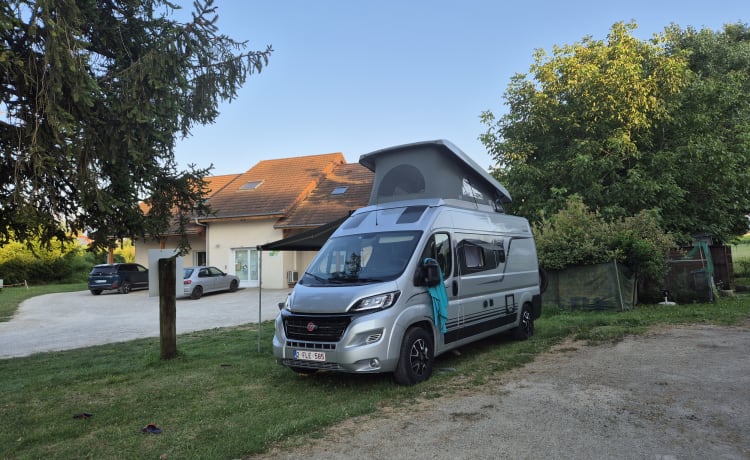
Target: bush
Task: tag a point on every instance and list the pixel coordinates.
(44, 265)
(741, 268)
(578, 236)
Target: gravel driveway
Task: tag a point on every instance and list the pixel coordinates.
(69, 320)
(675, 393)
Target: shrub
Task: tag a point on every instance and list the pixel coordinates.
(39, 264)
(573, 236)
(741, 268)
(579, 236)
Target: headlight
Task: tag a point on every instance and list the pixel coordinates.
(376, 302)
(286, 304)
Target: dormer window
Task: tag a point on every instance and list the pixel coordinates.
(251, 185)
(339, 190)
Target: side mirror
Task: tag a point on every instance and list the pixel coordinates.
(431, 272)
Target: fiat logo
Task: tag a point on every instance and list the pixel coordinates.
(312, 327)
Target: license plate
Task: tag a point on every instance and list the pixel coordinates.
(309, 355)
(100, 281)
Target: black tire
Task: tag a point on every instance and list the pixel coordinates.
(197, 293)
(525, 327)
(96, 291)
(233, 286)
(125, 288)
(416, 357)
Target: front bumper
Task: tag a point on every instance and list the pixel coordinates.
(363, 347)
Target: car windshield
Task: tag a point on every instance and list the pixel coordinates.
(188, 272)
(362, 258)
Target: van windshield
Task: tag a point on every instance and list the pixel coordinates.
(363, 258)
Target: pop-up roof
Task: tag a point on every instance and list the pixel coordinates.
(432, 169)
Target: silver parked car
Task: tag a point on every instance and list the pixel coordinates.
(200, 280)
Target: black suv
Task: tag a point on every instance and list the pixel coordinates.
(117, 276)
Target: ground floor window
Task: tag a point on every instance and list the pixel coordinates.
(246, 266)
(199, 258)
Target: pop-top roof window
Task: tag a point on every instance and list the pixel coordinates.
(339, 190)
(401, 181)
(251, 185)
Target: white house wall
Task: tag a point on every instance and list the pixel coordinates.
(141, 251)
(295, 261)
(226, 237)
(197, 244)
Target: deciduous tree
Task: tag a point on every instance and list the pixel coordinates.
(632, 125)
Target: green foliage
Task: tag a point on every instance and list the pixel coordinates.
(577, 236)
(741, 261)
(633, 125)
(573, 236)
(94, 96)
(708, 138)
(124, 252)
(38, 263)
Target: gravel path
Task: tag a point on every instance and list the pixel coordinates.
(68, 320)
(675, 393)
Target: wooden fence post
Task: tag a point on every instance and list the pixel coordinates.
(168, 308)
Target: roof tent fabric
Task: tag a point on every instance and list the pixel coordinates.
(432, 169)
(309, 240)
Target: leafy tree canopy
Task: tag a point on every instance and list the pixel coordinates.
(631, 125)
(92, 96)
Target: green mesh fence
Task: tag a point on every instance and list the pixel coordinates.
(609, 286)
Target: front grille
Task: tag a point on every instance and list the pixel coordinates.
(311, 345)
(312, 365)
(316, 328)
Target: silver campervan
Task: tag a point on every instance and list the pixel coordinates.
(432, 263)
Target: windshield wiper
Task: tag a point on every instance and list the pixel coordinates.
(369, 280)
(317, 278)
(338, 279)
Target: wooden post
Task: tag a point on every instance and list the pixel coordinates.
(168, 307)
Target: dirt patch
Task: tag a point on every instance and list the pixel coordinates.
(678, 392)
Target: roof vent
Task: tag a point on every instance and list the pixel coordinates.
(411, 214)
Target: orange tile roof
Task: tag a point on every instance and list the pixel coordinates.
(322, 206)
(216, 183)
(283, 182)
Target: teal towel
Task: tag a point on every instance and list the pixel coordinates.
(439, 303)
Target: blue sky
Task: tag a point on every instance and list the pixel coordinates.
(355, 76)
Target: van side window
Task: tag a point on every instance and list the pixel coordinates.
(473, 256)
(476, 255)
(439, 248)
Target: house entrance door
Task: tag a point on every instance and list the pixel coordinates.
(246, 266)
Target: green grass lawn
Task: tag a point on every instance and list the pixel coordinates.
(741, 262)
(222, 398)
(741, 251)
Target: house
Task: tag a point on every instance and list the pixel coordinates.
(274, 199)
